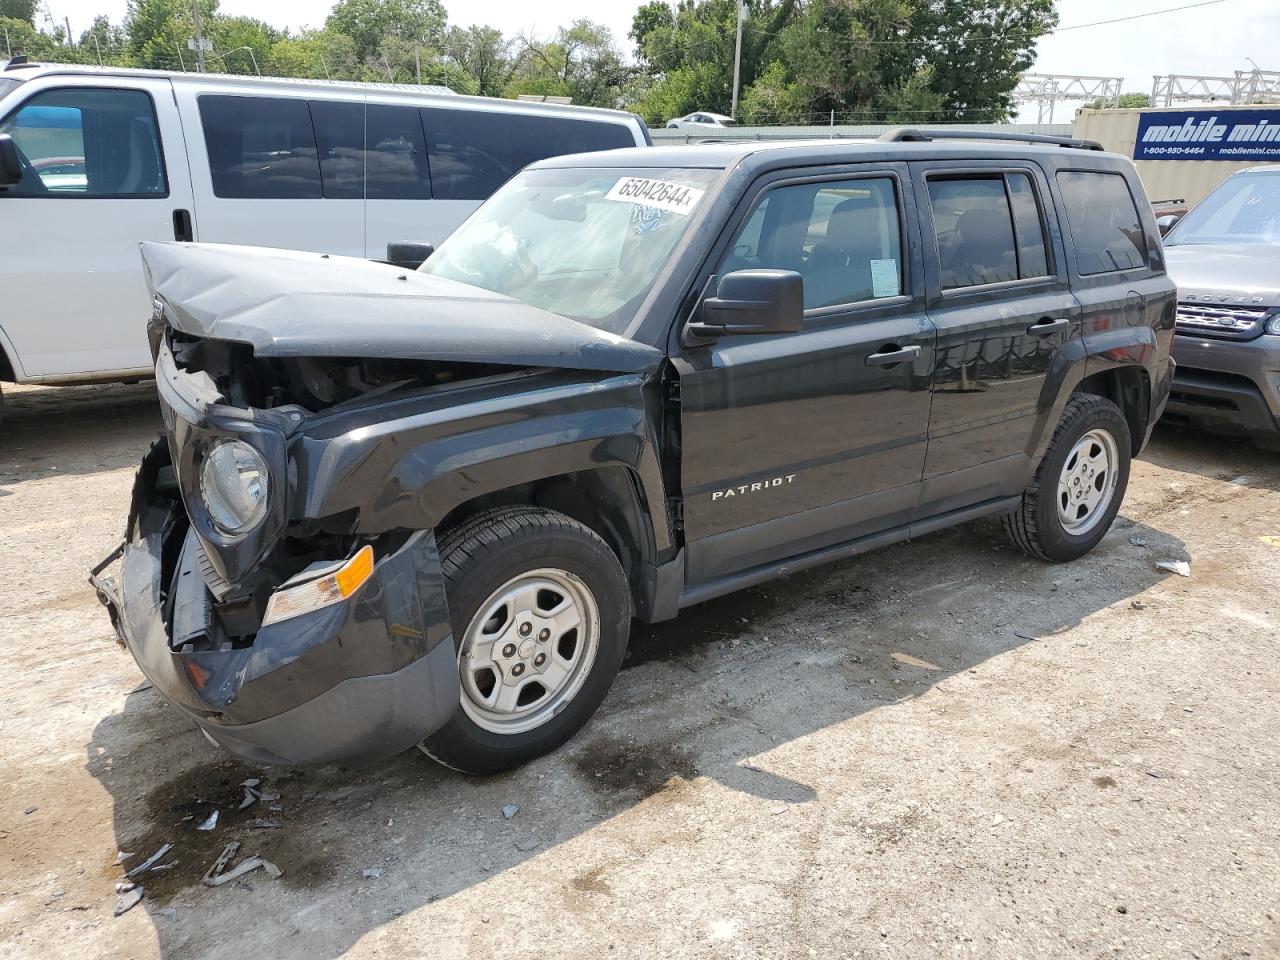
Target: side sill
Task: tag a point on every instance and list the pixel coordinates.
(762, 574)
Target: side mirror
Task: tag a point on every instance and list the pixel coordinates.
(10, 161)
(408, 254)
(753, 302)
(1165, 224)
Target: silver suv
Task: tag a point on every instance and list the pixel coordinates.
(1225, 258)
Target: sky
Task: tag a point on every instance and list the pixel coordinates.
(1216, 39)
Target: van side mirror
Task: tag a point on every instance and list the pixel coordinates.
(1166, 223)
(409, 254)
(10, 161)
(752, 302)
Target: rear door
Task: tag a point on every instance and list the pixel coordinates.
(999, 295)
(104, 169)
(793, 442)
(256, 171)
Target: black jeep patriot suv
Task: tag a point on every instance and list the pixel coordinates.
(397, 505)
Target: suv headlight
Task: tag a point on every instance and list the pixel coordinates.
(233, 486)
(1273, 325)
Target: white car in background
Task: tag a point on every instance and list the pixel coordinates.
(701, 121)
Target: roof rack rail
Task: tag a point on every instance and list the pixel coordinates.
(912, 135)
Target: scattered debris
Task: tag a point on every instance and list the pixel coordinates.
(251, 782)
(29, 811)
(122, 856)
(1025, 636)
(371, 873)
(268, 797)
(528, 843)
(997, 820)
(209, 822)
(262, 823)
(224, 858)
(250, 798)
(1180, 567)
(1138, 605)
(1138, 541)
(248, 865)
(127, 900)
(164, 866)
(509, 811)
(150, 862)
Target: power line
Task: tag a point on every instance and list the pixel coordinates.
(1015, 33)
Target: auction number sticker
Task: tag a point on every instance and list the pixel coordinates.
(663, 194)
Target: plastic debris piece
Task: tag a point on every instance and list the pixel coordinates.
(122, 856)
(248, 865)
(371, 873)
(1180, 567)
(164, 866)
(268, 797)
(262, 823)
(509, 811)
(127, 900)
(209, 822)
(250, 797)
(224, 858)
(251, 782)
(124, 886)
(151, 861)
(1138, 541)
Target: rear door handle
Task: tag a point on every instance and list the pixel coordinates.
(182, 229)
(891, 354)
(1042, 328)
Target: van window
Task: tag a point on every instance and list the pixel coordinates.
(376, 151)
(472, 152)
(844, 237)
(1106, 230)
(260, 147)
(88, 143)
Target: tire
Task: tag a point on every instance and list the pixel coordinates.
(492, 564)
(1050, 527)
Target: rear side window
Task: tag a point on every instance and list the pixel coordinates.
(378, 149)
(988, 229)
(472, 153)
(260, 147)
(1106, 230)
(844, 238)
(88, 143)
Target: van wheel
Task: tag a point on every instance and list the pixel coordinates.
(541, 613)
(1079, 485)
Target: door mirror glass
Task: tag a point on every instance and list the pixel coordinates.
(1166, 222)
(753, 302)
(409, 254)
(10, 163)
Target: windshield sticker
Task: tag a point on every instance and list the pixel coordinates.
(884, 278)
(644, 219)
(663, 194)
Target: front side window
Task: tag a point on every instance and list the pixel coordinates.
(585, 243)
(473, 152)
(973, 223)
(843, 237)
(1104, 223)
(1244, 209)
(261, 148)
(88, 142)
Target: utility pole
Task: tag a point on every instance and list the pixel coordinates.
(737, 58)
(417, 60)
(195, 18)
(70, 40)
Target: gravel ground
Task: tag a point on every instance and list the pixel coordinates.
(939, 750)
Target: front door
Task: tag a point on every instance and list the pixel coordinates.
(104, 167)
(794, 442)
(1000, 298)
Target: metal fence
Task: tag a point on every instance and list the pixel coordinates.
(867, 130)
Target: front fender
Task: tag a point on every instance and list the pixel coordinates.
(408, 463)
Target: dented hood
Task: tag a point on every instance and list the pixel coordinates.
(290, 304)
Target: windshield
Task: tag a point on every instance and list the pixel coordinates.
(1244, 209)
(584, 243)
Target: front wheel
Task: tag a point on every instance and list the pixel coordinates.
(1079, 485)
(541, 613)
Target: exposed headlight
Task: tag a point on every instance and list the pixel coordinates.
(233, 485)
(1273, 325)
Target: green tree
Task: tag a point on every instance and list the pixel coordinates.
(1128, 101)
(314, 54)
(581, 62)
(104, 43)
(234, 37)
(484, 54)
(158, 31)
(370, 22)
(19, 10)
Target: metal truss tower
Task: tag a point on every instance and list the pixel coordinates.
(1244, 86)
(1046, 89)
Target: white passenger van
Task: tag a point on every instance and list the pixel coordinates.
(106, 158)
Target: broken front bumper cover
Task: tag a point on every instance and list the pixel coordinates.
(367, 676)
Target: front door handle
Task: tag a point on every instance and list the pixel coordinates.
(1048, 325)
(891, 354)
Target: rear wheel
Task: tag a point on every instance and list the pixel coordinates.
(1079, 485)
(541, 613)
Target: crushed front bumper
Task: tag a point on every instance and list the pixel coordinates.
(367, 676)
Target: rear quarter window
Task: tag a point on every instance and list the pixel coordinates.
(1103, 220)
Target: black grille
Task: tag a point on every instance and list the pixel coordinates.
(1221, 321)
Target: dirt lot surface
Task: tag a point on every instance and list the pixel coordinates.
(940, 750)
